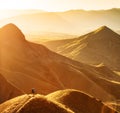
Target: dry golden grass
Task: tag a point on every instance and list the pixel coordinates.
(39, 104)
(79, 102)
(63, 101)
(32, 104)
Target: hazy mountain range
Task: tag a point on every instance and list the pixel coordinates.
(4, 13)
(71, 22)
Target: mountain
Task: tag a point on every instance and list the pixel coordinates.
(7, 90)
(98, 47)
(32, 104)
(64, 101)
(71, 22)
(27, 65)
(79, 102)
(10, 32)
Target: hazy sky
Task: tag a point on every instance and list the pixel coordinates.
(59, 5)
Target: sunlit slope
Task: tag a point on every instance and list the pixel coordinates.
(32, 104)
(101, 46)
(63, 101)
(28, 65)
(79, 102)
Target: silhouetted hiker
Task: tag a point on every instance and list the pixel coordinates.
(33, 90)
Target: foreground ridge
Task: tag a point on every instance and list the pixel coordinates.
(62, 101)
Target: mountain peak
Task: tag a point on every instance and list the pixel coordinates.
(103, 29)
(11, 32)
(10, 25)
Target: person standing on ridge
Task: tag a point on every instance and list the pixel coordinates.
(33, 91)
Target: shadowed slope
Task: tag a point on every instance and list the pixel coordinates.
(79, 102)
(99, 46)
(32, 104)
(7, 91)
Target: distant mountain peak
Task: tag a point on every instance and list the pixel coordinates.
(10, 25)
(103, 29)
(11, 32)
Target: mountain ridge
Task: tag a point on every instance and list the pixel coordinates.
(62, 101)
(91, 48)
(29, 65)
(79, 101)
